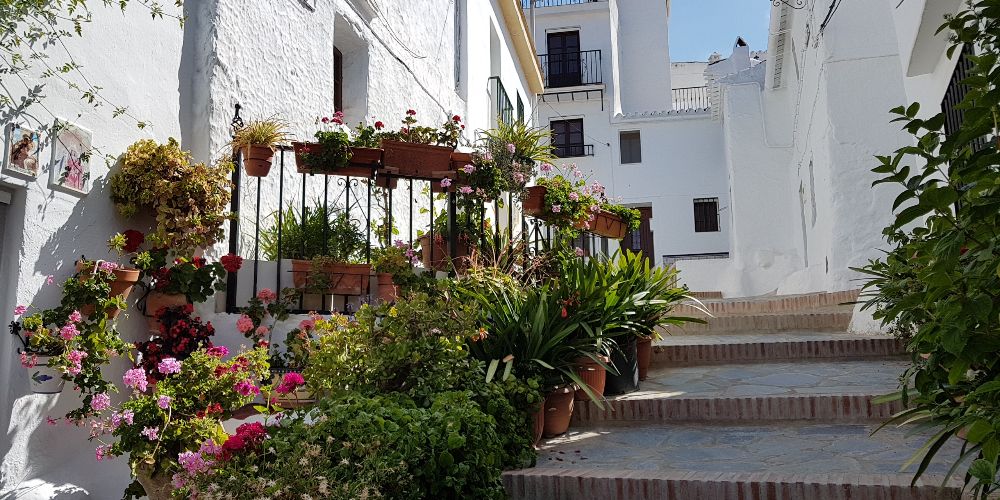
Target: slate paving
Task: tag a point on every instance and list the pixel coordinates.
(794, 448)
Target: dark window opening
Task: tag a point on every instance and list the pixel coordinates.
(520, 108)
(706, 215)
(631, 147)
(338, 80)
(564, 59)
(567, 138)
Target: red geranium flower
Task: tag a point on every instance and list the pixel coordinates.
(456, 118)
(133, 239)
(379, 125)
(411, 112)
(231, 262)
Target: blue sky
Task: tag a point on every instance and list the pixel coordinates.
(700, 27)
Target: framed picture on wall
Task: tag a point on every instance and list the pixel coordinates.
(22, 151)
(71, 150)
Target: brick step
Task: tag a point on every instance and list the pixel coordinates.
(765, 347)
(705, 295)
(770, 304)
(823, 321)
(790, 460)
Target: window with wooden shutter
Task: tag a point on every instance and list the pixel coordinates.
(706, 215)
(630, 144)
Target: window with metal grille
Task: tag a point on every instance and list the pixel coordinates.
(567, 138)
(631, 147)
(520, 108)
(955, 94)
(706, 215)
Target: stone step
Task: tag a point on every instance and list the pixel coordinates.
(765, 347)
(711, 461)
(770, 304)
(830, 391)
(821, 321)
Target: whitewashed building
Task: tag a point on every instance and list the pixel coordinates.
(298, 61)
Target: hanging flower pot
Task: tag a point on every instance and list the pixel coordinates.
(423, 161)
(125, 279)
(156, 301)
(592, 374)
(388, 290)
(257, 160)
(361, 160)
(45, 380)
(605, 224)
(558, 411)
(644, 354)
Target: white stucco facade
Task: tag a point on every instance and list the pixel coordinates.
(275, 60)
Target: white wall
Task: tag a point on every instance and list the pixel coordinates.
(275, 60)
(687, 74)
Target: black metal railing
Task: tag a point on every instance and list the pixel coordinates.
(526, 4)
(573, 150)
(687, 98)
(502, 107)
(380, 205)
(570, 69)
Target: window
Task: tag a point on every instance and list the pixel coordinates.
(706, 215)
(631, 147)
(520, 108)
(564, 59)
(567, 138)
(338, 80)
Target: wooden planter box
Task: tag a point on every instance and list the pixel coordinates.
(345, 279)
(364, 161)
(423, 161)
(460, 159)
(442, 260)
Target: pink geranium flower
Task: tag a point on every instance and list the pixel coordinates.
(262, 331)
(267, 295)
(556, 209)
(163, 402)
(244, 324)
(465, 190)
(136, 379)
(168, 366)
(75, 316)
(219, 351)
(100, 402)
(446, 182)
(20, 309)
(151, 433)
(68, 331)
(469, 169)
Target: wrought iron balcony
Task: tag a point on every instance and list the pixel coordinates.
(526, 4)
(573, 150)
(571, 69)
(687, 98)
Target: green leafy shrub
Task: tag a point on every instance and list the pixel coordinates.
(937, 285)
(316, 231)
(190, 201)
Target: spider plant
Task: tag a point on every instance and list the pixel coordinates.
(532, 143)
(263, 133)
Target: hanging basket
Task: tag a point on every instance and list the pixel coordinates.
(422, 161)
(257, 160)
(45, 380)
(605, 224)
(157, 487)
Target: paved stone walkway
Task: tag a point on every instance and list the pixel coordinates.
(796, 448)
(784, 379)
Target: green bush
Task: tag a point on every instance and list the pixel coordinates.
(312, 233)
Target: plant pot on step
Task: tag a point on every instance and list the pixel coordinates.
(257, 160)
(558, 411)
(157, 487)
(538, 424)
(592, 374)
(644, 354)
(125, 279)
(388, 290)
(422, 161)
(156, 301)
(45, 380)
(625, 361)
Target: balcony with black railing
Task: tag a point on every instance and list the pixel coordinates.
(527, 4)
(573, 150)
(572, 69)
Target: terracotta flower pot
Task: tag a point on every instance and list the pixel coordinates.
(257, 160)
(344, 279)
(45, 380)
(442, 260)
(534, 202)
(156, 301)
(460, 159)
(538, 424)
(422, 161)
(388, 290)
(592, 374)
(157, 487)
(644, 354)
(360, 164)
(558, 411)
(366, 158)
(605, 224)
(125, 279)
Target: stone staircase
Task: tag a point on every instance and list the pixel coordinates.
(747, 409)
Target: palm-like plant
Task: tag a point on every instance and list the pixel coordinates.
(530, 143)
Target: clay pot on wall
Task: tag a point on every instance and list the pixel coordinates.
(538, 424)
(558, 411)
(125, 279)
(423, 161)
(257, 160)
(388, 290)
(156, 301)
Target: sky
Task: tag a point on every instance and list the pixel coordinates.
(700, 27)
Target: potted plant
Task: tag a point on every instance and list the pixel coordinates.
(189, 202)
(392, 264)
(256, 141)
(38, 348)
(436, 254)
(288, 365)
(184, 281)
(334, 152)
(266, 305)
(566, 200)
(122, 277)
(173, 428)
(180, 333)
(423, 152)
